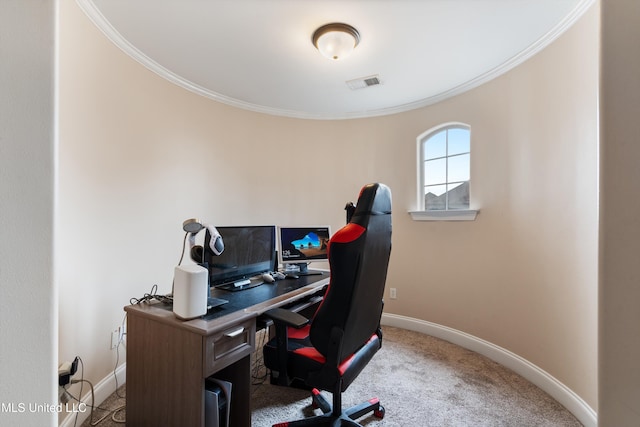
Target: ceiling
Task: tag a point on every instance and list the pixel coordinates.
(258, 55)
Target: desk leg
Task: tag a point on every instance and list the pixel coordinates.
(239, 375)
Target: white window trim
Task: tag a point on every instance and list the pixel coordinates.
(450, 215)
(445, 215)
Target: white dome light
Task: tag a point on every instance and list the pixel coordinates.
(336, 41)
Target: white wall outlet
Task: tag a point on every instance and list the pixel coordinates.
(115, 337)
(392, 293)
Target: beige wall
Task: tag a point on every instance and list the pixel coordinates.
(139, 155)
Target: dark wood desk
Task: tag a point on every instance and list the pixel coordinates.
(169, 359)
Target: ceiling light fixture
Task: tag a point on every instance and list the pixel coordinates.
(336, 40)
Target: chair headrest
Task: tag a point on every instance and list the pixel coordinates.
(374, 199)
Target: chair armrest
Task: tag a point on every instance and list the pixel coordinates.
(289, 318)
(283, 319)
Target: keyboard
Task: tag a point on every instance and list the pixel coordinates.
(215, 302)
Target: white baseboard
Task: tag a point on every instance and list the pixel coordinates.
(561, 393)
(102, 390)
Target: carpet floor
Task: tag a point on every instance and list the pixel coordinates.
(420, 380)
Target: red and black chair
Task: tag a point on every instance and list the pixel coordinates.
(329, 351)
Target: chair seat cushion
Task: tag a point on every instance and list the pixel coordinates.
(304, 359)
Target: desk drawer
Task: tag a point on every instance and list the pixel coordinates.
(228, 346)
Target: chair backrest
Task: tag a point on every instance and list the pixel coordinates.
(358, 259)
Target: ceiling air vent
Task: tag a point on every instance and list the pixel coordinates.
(363, 82)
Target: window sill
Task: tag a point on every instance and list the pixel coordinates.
(452, 215)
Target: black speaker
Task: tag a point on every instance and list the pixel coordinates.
(275, 263)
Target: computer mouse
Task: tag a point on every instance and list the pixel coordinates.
(268, 278)
(291, 276)
(278, 276)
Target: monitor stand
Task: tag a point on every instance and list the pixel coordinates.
(304, 270)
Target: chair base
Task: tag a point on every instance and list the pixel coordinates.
(331, 419)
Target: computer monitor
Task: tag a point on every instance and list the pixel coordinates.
(302, 245)
(248, 251)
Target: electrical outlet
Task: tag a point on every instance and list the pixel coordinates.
(115, 337)
(392, 293)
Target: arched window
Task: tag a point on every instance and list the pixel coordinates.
(445, 168)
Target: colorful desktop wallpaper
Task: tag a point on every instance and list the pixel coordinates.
(304, 243)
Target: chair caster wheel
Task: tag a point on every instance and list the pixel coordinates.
(379, 413)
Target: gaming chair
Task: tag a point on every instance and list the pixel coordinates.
(329, 351)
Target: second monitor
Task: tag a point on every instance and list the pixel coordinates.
(302, 245)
